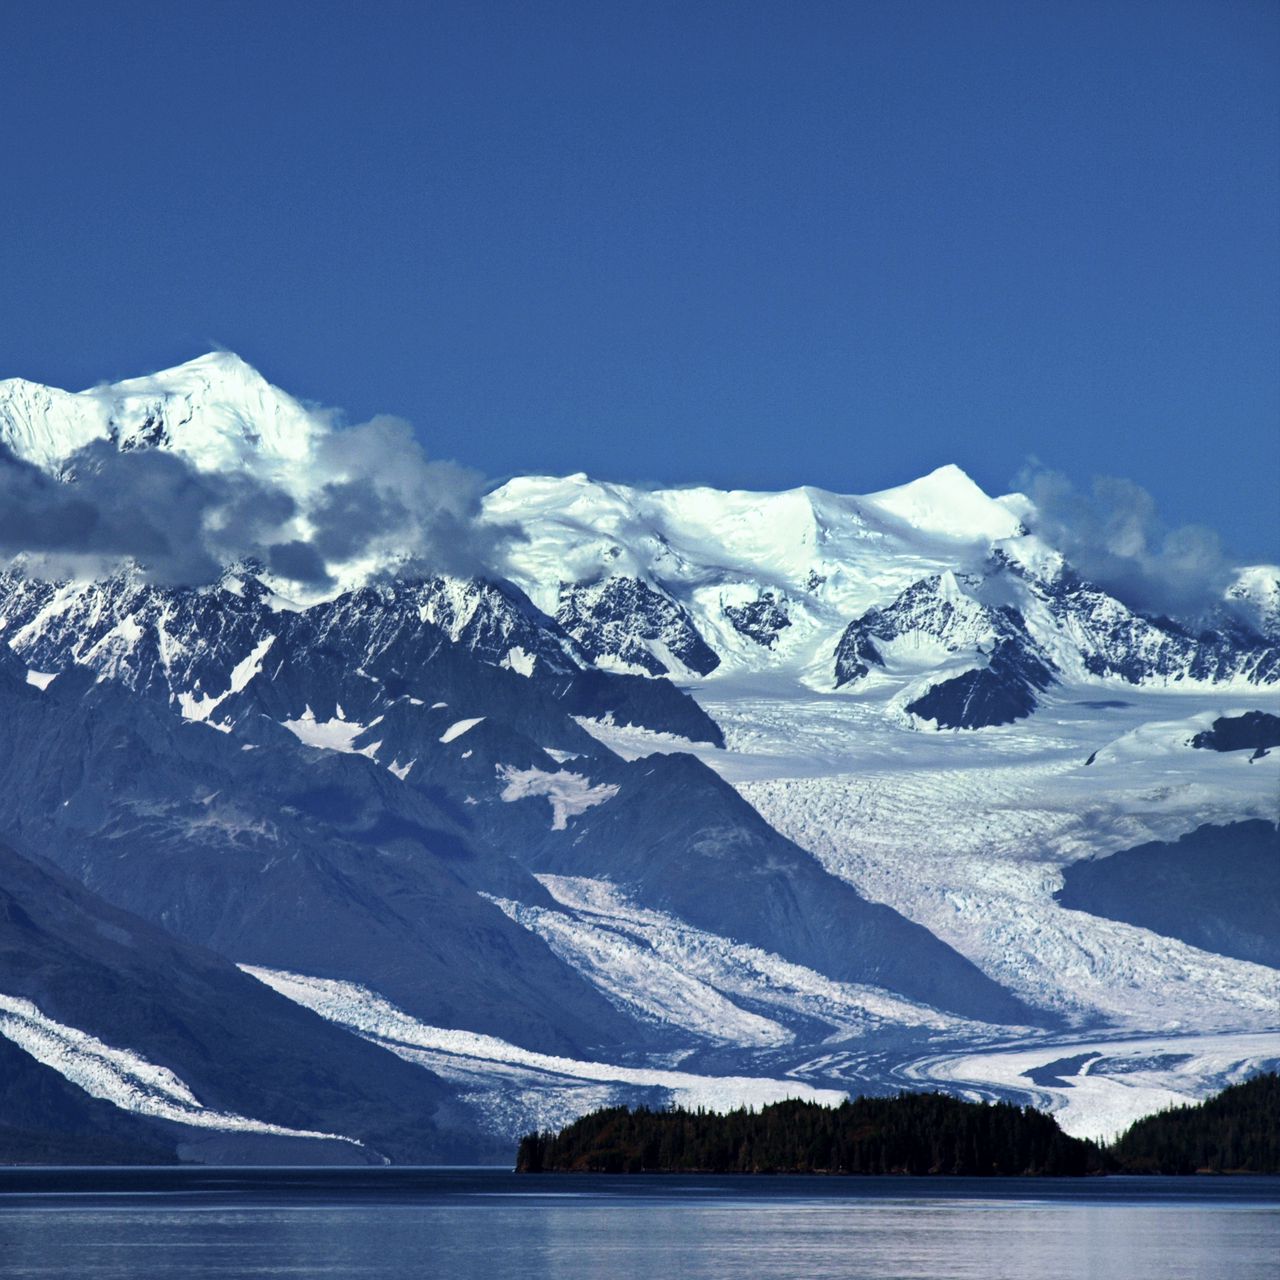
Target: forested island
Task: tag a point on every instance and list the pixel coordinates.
(1238, 1131)
(913, 1133)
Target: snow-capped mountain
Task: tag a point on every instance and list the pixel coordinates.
(940, 621)
(932, 594)
(697, 583)
(641, 799)
(1254, 597)
(216, 411)
(740, 581)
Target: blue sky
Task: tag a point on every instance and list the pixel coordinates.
(743, 243)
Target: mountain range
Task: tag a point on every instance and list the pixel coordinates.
(350, 812)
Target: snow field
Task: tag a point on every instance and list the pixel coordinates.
(967, 834)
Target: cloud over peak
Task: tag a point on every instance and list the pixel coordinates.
(182, 472)
(1113, 535)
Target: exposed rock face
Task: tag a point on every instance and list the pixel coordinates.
(938, 620)
(1254, 731)
(1112, 640)
(1218, 888)
(612, 620)
(199, 647)
(762, 620)
(1054, 627)
(999, 693)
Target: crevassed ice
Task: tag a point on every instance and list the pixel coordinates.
(689, 978)
(1103, 1085)
(464, 1054)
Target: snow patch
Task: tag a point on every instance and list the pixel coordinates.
(329, 735)
(459, 727)
(250, 664)
(521, 662)
(569, 793)
(200, 708)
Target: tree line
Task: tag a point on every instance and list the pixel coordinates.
(912, 1133)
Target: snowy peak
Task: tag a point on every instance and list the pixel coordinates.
(1255, 597)
(322, 505)
(696, 583)
(624, 624)
(588, 530)
(946, 504)
(734, 580)
(935, 574)
(43, 426)
(216, 411)
(581, 531)
(222, 369)
(981, 667)
(942, 609)
(585, 529)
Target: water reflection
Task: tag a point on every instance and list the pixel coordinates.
(467, 1226)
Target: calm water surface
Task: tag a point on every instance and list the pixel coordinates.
(468, 1224)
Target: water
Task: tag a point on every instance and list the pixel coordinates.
(468, 1224)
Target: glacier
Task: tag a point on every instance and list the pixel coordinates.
(911, 698)
(499, 1075)
(125, 1079)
